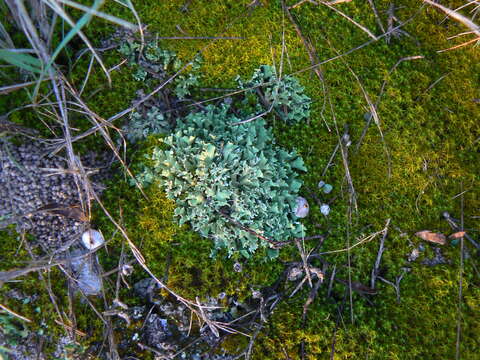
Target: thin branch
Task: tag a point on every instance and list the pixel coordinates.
(460, 45)
(201, 38)
(358, 243)
(301, 250)
(460, 280)
(312, 54)
(456, 16)
(363, 28)
(300, 3)
(380, 95)
(381, 249)
(395, 285)
(308, 45)
(377, 18)
(13, 313)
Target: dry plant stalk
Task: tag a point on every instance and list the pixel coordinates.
(13, 313)
(456, 16)
(359, 242)
(380, 95)
(474, 28)
(360, 26)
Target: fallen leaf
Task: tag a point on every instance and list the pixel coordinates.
(69, 211)
(457, 235)
(427, 235)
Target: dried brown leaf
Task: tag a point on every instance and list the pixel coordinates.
(430, 236)
(457, 235)
(69, 211)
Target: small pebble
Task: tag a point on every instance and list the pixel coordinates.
(302, 208)
(325, 209)
(92, 239)
(26, 185)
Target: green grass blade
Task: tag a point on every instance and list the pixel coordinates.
(129, 5)
(100, 14)
(74, 31)
(23, 61)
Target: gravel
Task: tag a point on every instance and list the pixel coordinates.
(29, 180)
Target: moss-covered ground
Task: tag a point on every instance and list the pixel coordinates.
(429, 117)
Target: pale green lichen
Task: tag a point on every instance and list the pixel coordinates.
(284, 95)
(229, 180)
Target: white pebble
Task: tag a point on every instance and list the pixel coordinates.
(302, 207)
(325, 209)
(92, 239)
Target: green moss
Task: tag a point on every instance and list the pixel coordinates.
(430, 133)
(429, 136)
(39, 307)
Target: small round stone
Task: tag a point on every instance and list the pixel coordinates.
(302, 208)
(325, 209)
(92, 239)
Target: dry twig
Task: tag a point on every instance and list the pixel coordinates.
(381, 249)
(360, 26)
(455, 15)
(13, 313)
(396, 285)
(377, 18)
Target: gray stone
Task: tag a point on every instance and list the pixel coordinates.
(27, 183)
